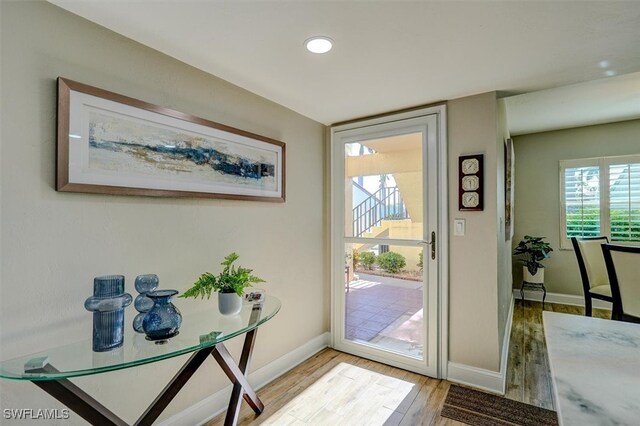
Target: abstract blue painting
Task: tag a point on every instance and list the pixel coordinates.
(120, 145)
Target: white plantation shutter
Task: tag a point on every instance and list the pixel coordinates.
(624, 201)
(582, 201)
(601, 196)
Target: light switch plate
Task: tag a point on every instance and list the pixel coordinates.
(459, 227)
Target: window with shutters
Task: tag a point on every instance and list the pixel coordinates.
(600, 196)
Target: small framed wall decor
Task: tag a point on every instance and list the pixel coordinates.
(471, 195)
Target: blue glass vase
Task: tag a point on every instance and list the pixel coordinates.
(164, 319)
(144, 284)
(107, 304)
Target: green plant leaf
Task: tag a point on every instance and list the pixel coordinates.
(230, 280)
(532, 250)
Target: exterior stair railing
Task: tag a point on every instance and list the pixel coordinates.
(386, 203)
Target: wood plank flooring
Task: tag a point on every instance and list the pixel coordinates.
(528, 377)
(334, 388)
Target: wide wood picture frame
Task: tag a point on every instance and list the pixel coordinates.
(470, 182)
(112, 144)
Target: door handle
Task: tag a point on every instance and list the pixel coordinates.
(433, 244)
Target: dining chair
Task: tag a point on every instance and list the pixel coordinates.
(623, 267)
(593, 270)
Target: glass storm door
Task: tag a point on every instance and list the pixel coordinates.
(385, 242)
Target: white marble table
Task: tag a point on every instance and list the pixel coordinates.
(595, 367)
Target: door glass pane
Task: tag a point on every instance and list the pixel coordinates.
(384, 297)
(383, 188)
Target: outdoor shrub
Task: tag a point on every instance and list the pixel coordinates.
(586, 223)
(391, 261)
(367, 259)
(420, 262)
(355, 258)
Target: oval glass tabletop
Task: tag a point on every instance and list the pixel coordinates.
(199, 330)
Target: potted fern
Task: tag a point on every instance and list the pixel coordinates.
(229, 285)
(532, 250)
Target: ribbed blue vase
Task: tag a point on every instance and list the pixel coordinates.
(107, 304)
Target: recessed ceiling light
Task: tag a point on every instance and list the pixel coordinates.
(610, 73)
(603, 64)
(318, 44)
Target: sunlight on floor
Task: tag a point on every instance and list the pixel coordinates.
(345, 395)
(362, 284)
(403, 336)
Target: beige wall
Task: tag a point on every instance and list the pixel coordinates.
(473, 269)
(537, 198)
(53, 244)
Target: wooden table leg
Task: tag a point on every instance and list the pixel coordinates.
(76, 399)
(236, 373)
(92, 411)
(171, 390)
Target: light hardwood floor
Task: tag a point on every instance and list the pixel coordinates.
(334, 388)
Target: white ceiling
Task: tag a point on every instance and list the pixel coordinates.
(583, 104)
(388, 55)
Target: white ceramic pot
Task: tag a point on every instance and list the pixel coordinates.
(538, 278)
(229, 303)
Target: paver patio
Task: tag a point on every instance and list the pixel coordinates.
(386, 312)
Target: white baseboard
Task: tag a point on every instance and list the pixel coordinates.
(215, 404)
(562, 299)
(491, 381)
(506, 341)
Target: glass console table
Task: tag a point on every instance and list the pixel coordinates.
(202, 334)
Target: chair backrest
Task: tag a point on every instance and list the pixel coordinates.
(590, 261)
(623, 266)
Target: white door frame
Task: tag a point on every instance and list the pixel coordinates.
(337, 229)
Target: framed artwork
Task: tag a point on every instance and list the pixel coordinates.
(508, 188)
(471, 194)
(112, 144)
